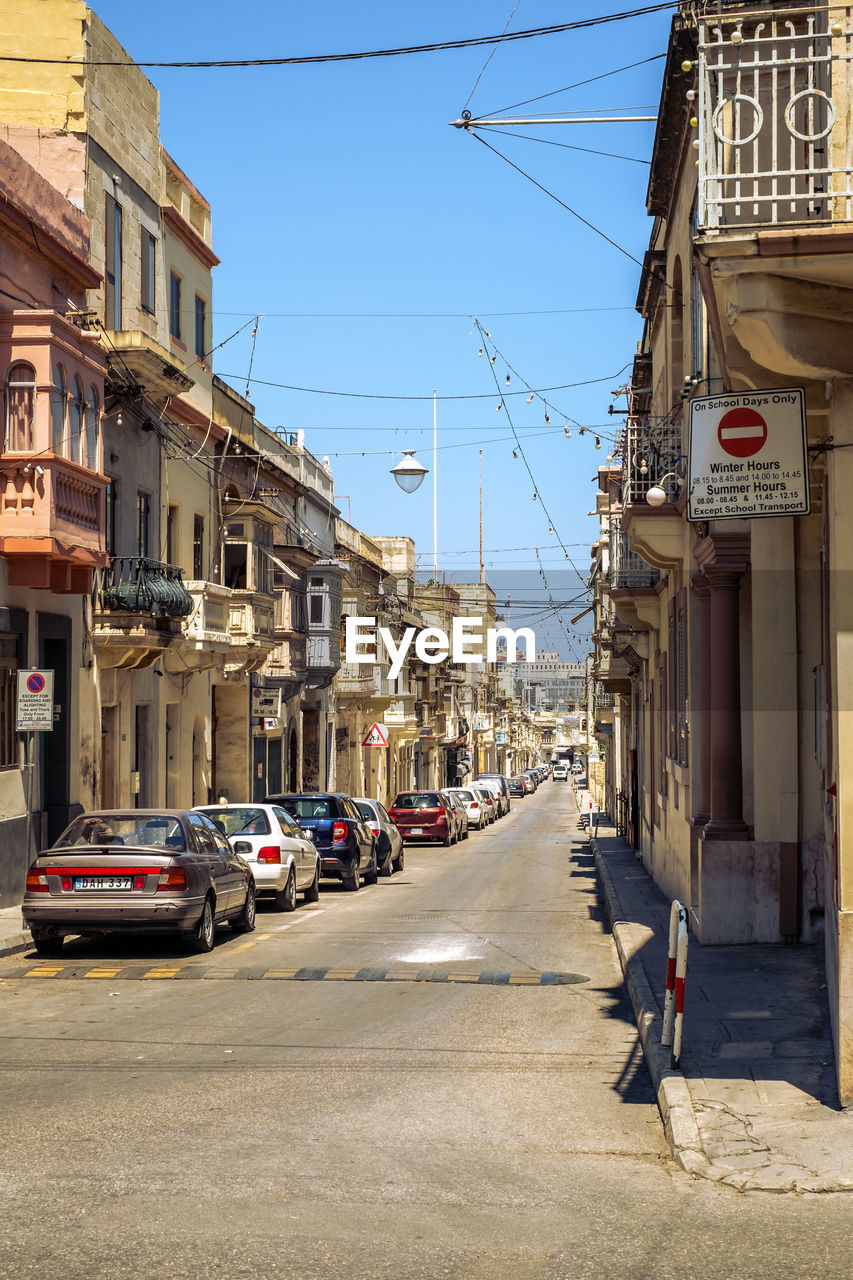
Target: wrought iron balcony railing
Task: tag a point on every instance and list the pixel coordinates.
(136, 584)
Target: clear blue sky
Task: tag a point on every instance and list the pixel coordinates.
(367, 233)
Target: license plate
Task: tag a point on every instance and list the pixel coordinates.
(416, 831)
(103, 882)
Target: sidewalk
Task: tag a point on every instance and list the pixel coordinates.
(755, 1107)
(13, 936)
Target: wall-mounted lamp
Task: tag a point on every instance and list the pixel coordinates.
(656, 495)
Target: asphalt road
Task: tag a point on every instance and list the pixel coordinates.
(438, 1076)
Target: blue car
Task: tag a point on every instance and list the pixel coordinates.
(344, 840)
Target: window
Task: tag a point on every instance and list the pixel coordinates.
(58, 409)
(172, 541)
(93, 422)
(20, 407)
(149, 271)
(200, 328)
(112, 266)
(175, 305)
(77, 410)
(110, 498)
(143, 523)
(198, 548)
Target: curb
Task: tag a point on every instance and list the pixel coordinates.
(16, 942)
(673, 1096)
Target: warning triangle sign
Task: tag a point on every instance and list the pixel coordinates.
(377, 736)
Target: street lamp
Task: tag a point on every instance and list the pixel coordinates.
(408, 472)
(656, 495)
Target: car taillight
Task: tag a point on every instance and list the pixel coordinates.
(339, 831)
(375, 831)
(442, 817)
(37, 882)
(474, 804)
(269, 853)
(171, 879)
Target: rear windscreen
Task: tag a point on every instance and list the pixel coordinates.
(366, 811)
(308, 807)
(426, 800)
(240, 822)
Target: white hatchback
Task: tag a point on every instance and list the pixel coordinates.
(283, 860)
(477, 816)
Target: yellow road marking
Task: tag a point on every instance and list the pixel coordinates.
(340, 973)
(162, 973)
(102, 973)
(243, 946)
(463, 977)
(524, 979)
(221, 973)
(44, 973)
(281, 973)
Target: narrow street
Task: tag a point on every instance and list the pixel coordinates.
(437, 1076)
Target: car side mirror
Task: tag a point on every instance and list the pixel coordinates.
(242, 847)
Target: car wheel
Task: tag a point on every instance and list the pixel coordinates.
(400, 861)
(312, 893)
(285, 899)
(245, 921)
(205, 930)
(387, 861)
(352, 883)
(47, 944)
(448, 840)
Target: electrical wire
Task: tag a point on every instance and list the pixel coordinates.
(366, 395)
(569, 146)
(577, 85)
(438, 46)
(492, 53)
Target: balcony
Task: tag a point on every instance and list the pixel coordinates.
(138, 605)
(51, 523)
(775, 143)
(206, 632)
(287, 662)
(251, 622)
(354, 680)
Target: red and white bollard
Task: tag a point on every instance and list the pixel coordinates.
(676, 972)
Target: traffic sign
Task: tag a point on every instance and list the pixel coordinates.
(377, 736)
(747, 455)
(34, 712)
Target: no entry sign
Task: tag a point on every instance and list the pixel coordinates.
(747, 455)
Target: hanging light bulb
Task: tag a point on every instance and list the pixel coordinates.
(480, 352)
(534, 495)
(507, 379)
(597, 443)
(610, 457)
(567, 433)
(547, 419)
(497, 408)
(529, 399)
(582, 431)
(550, 530)
(493, 359)
(486, 332)
(514, 454)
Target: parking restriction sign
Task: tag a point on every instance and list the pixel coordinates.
(35, 701)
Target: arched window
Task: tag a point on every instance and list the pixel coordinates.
(58, 409)
(77, 409)
(20, 407)
(93, 422)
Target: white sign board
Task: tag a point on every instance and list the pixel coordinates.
(747, 455)
(35, 701)
(266, 702)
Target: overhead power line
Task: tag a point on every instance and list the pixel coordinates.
(438, 46)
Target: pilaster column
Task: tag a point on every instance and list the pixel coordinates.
(702, 706)
(723, 559)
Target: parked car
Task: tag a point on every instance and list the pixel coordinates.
(425, 815)
(474, 806)
(532, 777)
(389, 842)
(145, 869)
(498, 785)
(517, 788)
(560, 772)
(461, 813)
(345, 843)
(283, 859)
(489, 804)
(528, 783)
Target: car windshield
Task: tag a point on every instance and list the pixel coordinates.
(418, 800)
(243, 821)
(152, 831)
(308, 807)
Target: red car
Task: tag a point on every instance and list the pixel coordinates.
(425, 815)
